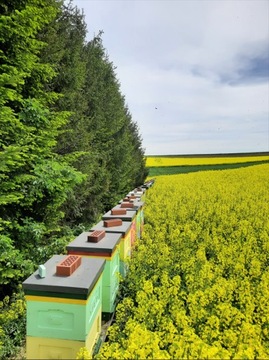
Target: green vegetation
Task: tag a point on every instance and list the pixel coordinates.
(183, 169)
(68, 145)
(197, 286)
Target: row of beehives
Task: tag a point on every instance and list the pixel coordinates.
(68, 297)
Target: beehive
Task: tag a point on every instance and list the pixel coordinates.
(63, 312)
(125, 244)
(124, 215)
(50, 348)
(138, 193)
(108, 249)
(138, 207)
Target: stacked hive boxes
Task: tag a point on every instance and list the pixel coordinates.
(117, 226)
(102, 245)
(124, 215)
(68, 296)
(63, 301)
(137, 196)
(137, 207)
(140, 215)
(139, 193)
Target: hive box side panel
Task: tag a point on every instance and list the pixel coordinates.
(111, 289)
(138, 224)
(125, 246)
(63, 320)
(56, 320)
(48, 348)
(95, 331)
(113, 267)
(93, 306)
(133, 232)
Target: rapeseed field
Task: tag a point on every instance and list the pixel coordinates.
(181, 161)
(198, 280)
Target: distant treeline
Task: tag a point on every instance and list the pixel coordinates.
(69, 148)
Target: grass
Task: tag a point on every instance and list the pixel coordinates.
(183, 169)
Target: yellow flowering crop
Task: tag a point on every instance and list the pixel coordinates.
(198, 282)
(152, 161)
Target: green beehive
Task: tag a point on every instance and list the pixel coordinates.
(107, 248)
(64, 304)
(138, 207)
(139, 193)
(124, 215)
(140, 214)
(119, 227)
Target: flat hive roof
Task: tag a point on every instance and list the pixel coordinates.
(121, 229)
(81, 281)
(129, 216)
(137, 206)
(106, 245)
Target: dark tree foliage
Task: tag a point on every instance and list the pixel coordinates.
(116, 145)
(100, 129)
(35, 181)
(69, 149)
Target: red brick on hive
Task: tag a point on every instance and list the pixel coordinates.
(68, 265)
(112, 222)
(96, 236)
(118, 212)
(127, 205)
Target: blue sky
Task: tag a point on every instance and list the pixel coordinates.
(195, 74)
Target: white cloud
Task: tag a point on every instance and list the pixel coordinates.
(198, 62)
